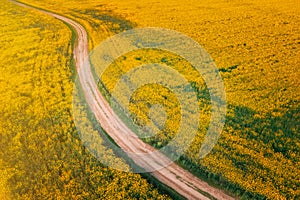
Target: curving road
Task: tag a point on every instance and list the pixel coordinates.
(173, 176)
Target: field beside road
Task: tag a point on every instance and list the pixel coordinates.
(255, 45)
(41, 155)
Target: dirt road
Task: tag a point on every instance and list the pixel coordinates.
(173, 176)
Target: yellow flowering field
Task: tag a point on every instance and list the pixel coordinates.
(41, 155)
(255, 45)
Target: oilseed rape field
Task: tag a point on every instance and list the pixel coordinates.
(41, 154)
(255, 45)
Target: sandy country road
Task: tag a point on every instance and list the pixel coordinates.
(172, 175)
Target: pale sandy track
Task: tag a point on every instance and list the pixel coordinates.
(173, 176)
